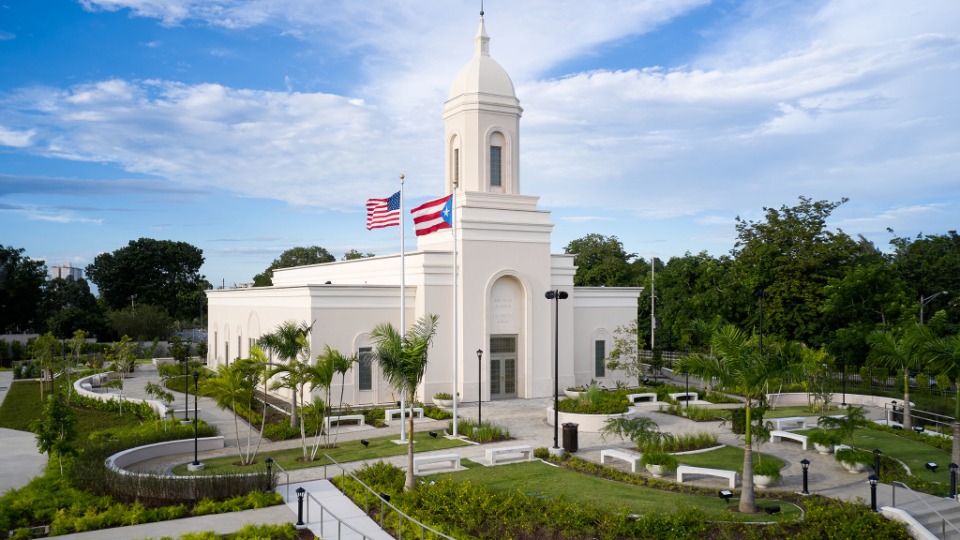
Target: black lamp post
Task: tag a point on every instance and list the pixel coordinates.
(269, 462)
(876, 462)
(196, 423)
(479, 387)
(760, 294)
(805, 463)
(556, 296)
(953, 480)
(843, 380)
(186, 393)
(300, 492)
(873, 479)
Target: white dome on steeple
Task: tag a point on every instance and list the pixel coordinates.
(482, 74)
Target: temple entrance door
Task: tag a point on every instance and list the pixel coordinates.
(503, 367)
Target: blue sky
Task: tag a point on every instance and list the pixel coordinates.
(249, 127)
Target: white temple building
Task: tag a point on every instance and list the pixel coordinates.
(504, 270)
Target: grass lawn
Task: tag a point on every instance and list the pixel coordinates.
(914, 454)
(22, 406)
(534, 477)
(380, 447)
(728, 457)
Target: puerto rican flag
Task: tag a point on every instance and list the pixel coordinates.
(433, 215)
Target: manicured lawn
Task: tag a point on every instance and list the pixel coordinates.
(728, 457)
(914, 454)
(537, 478)
(22, 406)
(380, 447)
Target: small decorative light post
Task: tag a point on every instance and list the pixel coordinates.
(269, 463)
(873, 479)
(876, 462)
(479, 387)
(953, 480)
(805, 463)
(300, 524)
(196, 465)
(186, 393)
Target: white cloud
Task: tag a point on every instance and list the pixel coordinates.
(16, 139)
(7, 36)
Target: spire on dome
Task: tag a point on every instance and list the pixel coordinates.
(482, 40)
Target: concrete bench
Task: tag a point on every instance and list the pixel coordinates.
(452, 459)
(525, 451)
(634, 398)
(392, 413)
(629, 457)
(684, 396)
(794, 421)
(344, 418)
(686, 469)
(778, 435)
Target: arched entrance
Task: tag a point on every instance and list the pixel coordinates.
(506, 341)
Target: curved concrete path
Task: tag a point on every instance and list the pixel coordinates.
(21, 460)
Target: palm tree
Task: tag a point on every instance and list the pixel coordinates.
(233, 388)
(944, 354)
(295, 376)
(320, 375)
(403, 361)
(901, 350)
(334, 362)
(738, 365)
(284, 342)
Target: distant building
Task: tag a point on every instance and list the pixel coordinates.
(66, 270)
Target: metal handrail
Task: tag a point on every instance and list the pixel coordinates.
(340, 522)
(943, 521)
(284, 471)
(423, 528)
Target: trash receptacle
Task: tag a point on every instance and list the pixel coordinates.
(570, 442)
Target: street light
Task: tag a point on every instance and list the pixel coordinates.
(479, 387)
(556, 296)
(186, 392)
(924, 300)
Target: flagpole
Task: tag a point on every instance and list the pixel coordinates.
(403, 312)
(456, 330)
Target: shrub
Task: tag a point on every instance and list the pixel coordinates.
(685, 442)
(824, 437)
(280, 432)
(596, 402)
(436, 413)
(541, 452)
(656, 457)
(853, 456)
(443, 395)
(766, 468)
(488, 432)
(375, 416)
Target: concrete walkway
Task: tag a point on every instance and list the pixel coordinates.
(21, 460)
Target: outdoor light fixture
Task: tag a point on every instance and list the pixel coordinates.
(773, 509)
(953, 480)
(556, 296)
(805, 463)
(918, 429)
(433, 434)
(876, 462)
(300, 493)
(479, 387)
(725, 494)
(196, 422)
(364, 442)
(931, 466)
(385, 497)
(873, 479)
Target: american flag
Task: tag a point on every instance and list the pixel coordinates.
(383, 212)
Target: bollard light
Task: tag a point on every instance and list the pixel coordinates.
(873, 479)
(300, 492)
(805, 463)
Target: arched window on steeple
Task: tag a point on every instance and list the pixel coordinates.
(496, 146)
(454, 164)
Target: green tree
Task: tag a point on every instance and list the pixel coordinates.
(403, 361)
(602, 261)
(929, 264)
(739, 366)
(68, 305)
(287, 342)
(320, 375)
(122, 357)
(44, 353)
(163, 273)
(21, 289)
(792, 256)
(353, 254)
(234, 388)
(294, 375)
(56, 429)
(901, 350)
(143, 322)
(625, 354)
(944, 356)
(298, 256)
